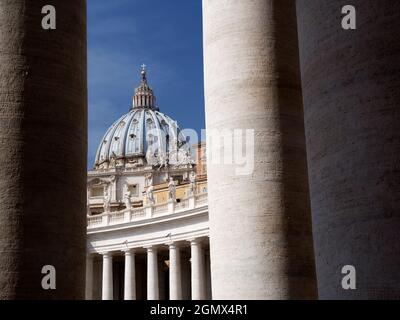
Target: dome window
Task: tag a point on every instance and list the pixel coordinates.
(132, 136)
(150, 138)
(116, 138)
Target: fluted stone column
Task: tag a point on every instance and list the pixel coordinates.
(42, 149)
(153, 292)
(198, 270)
(107, 284)
(351, 84)
(130, 277)
(260, 228)
(175, 277)
(89, 277)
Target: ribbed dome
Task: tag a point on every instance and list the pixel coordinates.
(144, 132)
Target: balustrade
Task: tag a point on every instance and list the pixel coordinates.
(125, 216)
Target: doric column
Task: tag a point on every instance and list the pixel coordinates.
(152, 274)
(43, 147)
(107, 285)
(89, 277)
(175, 277)
(130, 277)
(351, 84)
(260, 219)
(198, 270)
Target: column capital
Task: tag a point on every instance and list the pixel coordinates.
(195, 241)
(106, 254)
(173, 244)
(151, 248)
(128, 251)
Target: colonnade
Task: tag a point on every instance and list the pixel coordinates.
(198, 267)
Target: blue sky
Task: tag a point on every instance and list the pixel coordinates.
(167, 37)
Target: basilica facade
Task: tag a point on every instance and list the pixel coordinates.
(147, 210)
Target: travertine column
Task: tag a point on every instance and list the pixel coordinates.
(107, 285)
(152, 274)
(130, 278)
(175, 277)
(89, 277)
(351, 84)
(42, 149)
(260, 225)
(198, 270)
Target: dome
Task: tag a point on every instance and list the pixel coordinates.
(144, 133)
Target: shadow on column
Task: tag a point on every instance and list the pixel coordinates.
(297, 218)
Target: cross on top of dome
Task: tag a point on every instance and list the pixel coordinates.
(144, 97)
(143, 72)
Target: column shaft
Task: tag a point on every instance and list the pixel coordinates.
(152, 274)
(351, 84)
(89, 277)
(107, 285)
(130, 277)
(198, 270)
(175, 277)
(260, 220)
(43, 148)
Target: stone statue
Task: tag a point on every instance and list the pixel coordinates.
(162, 160)
(150, 195)
(192, 187)
(127, 198)
(106, 201)
(171, 189)
(88, 201)
(149, 179)
(181, 156)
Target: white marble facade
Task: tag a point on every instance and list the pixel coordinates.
(123, 246)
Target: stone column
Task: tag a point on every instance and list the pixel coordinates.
(43, 137)
(130, 277)
(198, 270)
(260, 224)
(351, 84)
(89, 277)
(152, 274)
(175, 277)
(107, 285)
